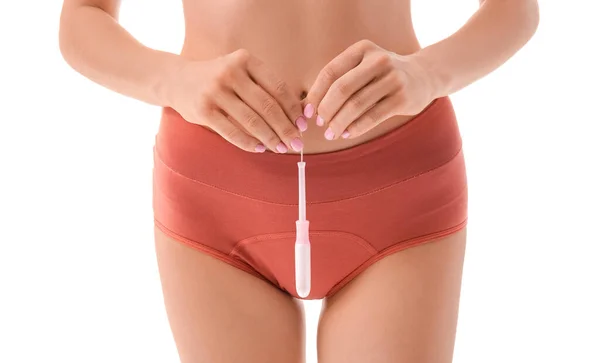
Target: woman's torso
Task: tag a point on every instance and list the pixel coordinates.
(297, 38)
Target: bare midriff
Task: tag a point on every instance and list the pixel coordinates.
(297, 38)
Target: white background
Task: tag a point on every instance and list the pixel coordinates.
(78, 278)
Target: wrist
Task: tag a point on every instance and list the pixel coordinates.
(435, 76)
(163, 86)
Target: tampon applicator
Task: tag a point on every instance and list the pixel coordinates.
(302, 241)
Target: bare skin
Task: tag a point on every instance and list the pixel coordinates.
(248, 71)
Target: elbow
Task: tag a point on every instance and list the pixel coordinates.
(75, 23)
(65, 38)
(63, 46)
(531, 14)
(69, 29)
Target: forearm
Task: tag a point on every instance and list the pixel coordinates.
(95, 45)
(491, 36)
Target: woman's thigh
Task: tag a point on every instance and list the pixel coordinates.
(404, 308)
(219, 313)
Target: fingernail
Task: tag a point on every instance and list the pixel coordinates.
(309, 110)
(320, 121)
(301, 123)
(281, 148)
(329, 134)
(260, 148)
(297, 144)
(346, 134)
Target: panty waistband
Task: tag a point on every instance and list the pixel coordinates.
(425, 142)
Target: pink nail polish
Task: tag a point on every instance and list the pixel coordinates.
(309, 110)
(329, 134)
(346, 134)
(260, 148)
(301, 123)
(297, 144)
(281, 147)
(320, 121)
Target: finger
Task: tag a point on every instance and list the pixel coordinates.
(360, 103)
(222, 126)
(250, 121)
(344, 88)
(269, 110)
(340, 65)
(278, 89)
(382, 111)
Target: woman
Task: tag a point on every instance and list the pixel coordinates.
(348, 84)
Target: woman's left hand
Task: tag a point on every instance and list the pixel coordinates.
(366, 85)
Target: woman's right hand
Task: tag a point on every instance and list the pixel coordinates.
(240, 99)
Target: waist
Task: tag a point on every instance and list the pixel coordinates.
(424, 143)
(295, 39)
